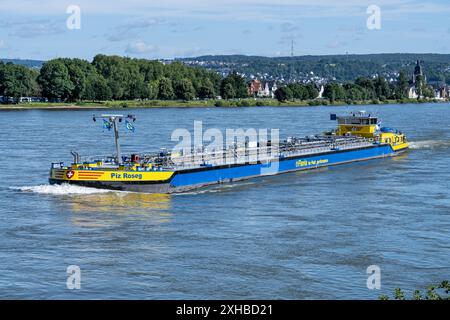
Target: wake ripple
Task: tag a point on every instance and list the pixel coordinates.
(63, 189)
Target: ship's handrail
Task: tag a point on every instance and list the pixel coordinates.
(252, 155)
(235, 154)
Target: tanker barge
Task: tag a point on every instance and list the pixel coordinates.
(358, 137)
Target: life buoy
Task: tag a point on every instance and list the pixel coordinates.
(135, 158)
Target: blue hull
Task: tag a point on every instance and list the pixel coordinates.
(211, 175)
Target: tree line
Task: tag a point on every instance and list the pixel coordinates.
(117, 78)
(340, 67)
(362, 89)
(122, 78)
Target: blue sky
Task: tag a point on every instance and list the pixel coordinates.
(31, 29)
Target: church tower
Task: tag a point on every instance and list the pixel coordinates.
(418, 72)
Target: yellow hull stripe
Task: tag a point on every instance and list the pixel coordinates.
(397, 147)
(107, 175)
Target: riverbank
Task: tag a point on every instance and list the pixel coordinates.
(201, 103)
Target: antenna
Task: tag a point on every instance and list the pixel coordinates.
(292, 49)
(291, 71)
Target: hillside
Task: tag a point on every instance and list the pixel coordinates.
(317, 68)
(26, 62)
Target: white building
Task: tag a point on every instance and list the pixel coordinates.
(264, 93)
(273, 89)
(321, 91)
(412, 93)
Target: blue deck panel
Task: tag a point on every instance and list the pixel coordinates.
(251, 170)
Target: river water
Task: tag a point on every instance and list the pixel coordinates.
(308, 235)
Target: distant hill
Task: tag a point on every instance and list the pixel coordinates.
(26, 62)
(339, 67)
(316, 68)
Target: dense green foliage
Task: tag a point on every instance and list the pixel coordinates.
(109, 77)
(342, 68)
(439, 292)
(122, 78)
(233, 86)
(17, 80)
(362, 89)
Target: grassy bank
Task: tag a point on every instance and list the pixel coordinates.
(201, 103)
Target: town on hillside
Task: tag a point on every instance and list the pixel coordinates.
(70, 80)
(266, 89)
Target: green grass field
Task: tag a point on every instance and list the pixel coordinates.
(197, 103)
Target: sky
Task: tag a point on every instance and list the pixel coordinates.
(167, 29)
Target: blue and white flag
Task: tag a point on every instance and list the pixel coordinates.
(106, 124)
(129, 125)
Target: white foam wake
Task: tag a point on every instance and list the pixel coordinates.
(63, 189)
(215, 188)
(430, 144)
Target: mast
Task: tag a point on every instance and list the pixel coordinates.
(116, 139)
(112, 119)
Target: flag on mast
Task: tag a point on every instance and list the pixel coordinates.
(129, 126)
(106, 124)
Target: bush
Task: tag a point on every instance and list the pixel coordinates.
(315, 102)
(244, 103)
(439, 292)
(219, 103)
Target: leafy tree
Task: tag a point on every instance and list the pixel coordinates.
(428, 91)
(16, 81)
(55, 81)
(153, 89)
(382, 89)
(78, 71)
(151, 70)
(402, 86)
(238, 84)
(136, 88)
(165, 89)
(97, 88)
(206, 90)
(312, 92)
(354, 92)
(184, 90)
(420, 84)
(114, 70)
(228, 91)
(138, 78)
(298, 91)
(284, 94)
(334, 91)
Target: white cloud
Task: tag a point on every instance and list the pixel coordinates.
(214, 9)
(131, 29)
(32, 28)
(140, 47)
(2, 44)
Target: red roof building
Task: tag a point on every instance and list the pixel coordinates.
(254, 87)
